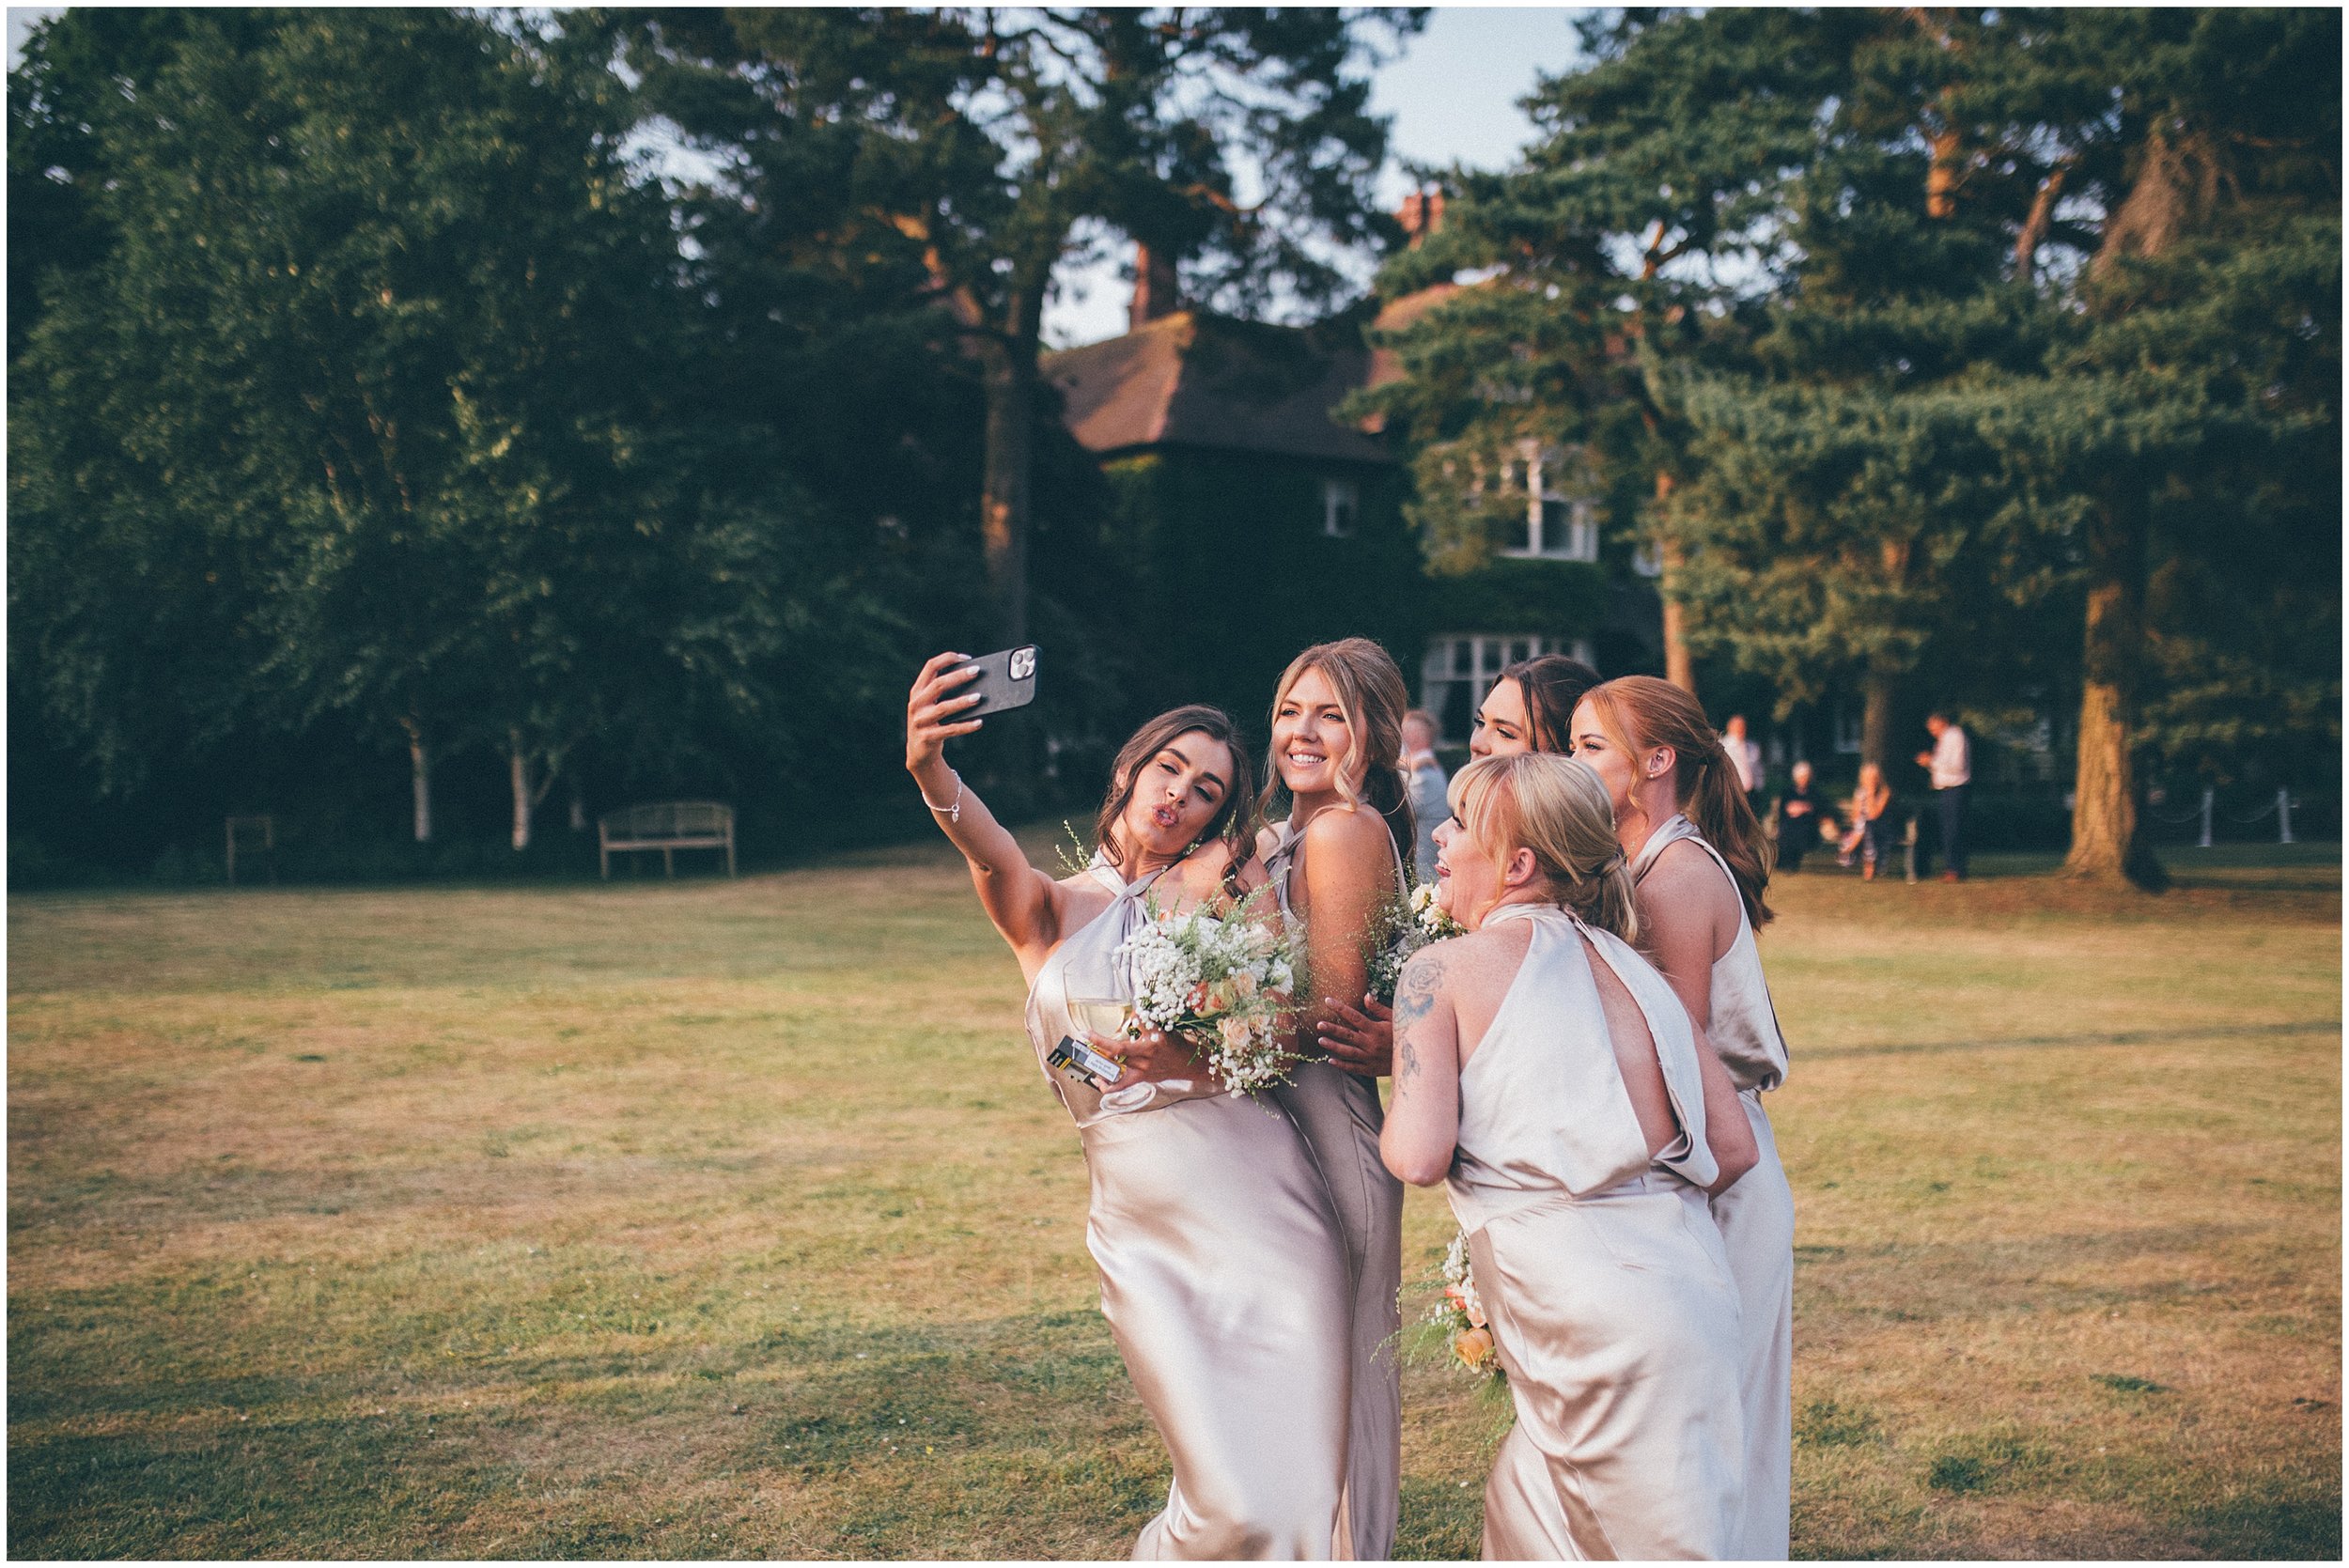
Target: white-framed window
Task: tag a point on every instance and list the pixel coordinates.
(1341, 506)
(1557, 526)
(1461, 667)
(1648, 561)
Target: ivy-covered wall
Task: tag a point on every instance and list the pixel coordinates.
(1232, 574)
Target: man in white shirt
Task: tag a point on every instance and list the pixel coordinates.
(1424, 783)
(1950, 763)
(1744, 756)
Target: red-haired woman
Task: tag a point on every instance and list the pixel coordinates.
(1696, 852)
(1335, 857)
(1210, 1220)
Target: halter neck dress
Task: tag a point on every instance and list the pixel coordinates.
(1219, 1258)
(1757, 1218)
(1340, 1116)
(1602, 1275)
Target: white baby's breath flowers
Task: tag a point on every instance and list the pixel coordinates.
(1221, 983)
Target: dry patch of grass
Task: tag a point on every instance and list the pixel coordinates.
(709, 1218)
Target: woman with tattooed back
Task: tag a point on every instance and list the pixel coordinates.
(1551, 1073)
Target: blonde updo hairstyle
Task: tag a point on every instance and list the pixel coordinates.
(1557, 808)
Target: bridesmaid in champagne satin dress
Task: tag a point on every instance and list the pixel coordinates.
(1337, 727)
(1550, 1074)
(1219, 1256)
(1695, 853)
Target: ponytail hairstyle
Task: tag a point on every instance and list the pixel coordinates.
(1640, 712)
(1233, 823)
(1552, 684)
(1557, 808)
(1372, 696)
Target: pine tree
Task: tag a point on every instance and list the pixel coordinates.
(980, 150)
(1649, 210)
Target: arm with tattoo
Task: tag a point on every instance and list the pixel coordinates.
(1425, 1119)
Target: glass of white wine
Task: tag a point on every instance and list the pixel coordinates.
(1102, 1015)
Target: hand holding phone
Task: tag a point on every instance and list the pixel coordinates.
(1005, 680)
(937, 710)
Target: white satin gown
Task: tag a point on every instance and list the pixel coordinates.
(1756, 1218)
(1602, 1274)
(1219, 1259)
(1341, 1117)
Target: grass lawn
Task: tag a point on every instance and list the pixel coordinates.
(732, 1219)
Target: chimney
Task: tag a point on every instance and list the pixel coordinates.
(1421, 214)
(1153, 288)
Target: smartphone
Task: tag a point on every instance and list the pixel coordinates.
(1006, 680)
(1073, 1055)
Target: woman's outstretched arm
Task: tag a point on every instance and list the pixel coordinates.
(1018, 898)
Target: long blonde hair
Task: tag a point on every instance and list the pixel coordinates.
(1557, 808)
(1372, 696)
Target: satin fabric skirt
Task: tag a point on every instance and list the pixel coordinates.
(1340, 1116)
(1756, 1218)
(1616, 1320)
(1223, 1281)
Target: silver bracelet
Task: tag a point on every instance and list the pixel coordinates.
(952, 813)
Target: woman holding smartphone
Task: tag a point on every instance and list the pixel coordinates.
(1219, 1256)
(1333, 859)
(1697, 857)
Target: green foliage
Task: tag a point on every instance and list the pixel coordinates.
(1902, 309)
(379, 406)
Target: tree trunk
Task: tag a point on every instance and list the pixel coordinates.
(1010, 375)
(419, 779)
(1877, 689)
(519, 769)
(2106, 844)
(1679, 668)
(579, 808)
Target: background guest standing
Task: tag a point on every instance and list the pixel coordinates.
(1745, 755)
(1950, 763)
(1425, 782)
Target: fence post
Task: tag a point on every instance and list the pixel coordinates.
(2208, 795)
(2283, 815)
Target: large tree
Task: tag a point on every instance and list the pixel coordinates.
(376, 403)
(2190, 403)
(976, 152)
(1649, 209)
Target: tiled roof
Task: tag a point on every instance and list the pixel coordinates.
(1196, 380)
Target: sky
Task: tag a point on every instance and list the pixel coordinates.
(1452, 92)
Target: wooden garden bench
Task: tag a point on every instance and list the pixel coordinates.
(667, 826)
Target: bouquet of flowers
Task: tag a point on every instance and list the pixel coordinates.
(1402, 927)
(1455, 1329)
(1221, 983)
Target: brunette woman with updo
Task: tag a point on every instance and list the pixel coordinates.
(1530, 708)
(1548, 1072)
(1223, 1275)
(1696, 852)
